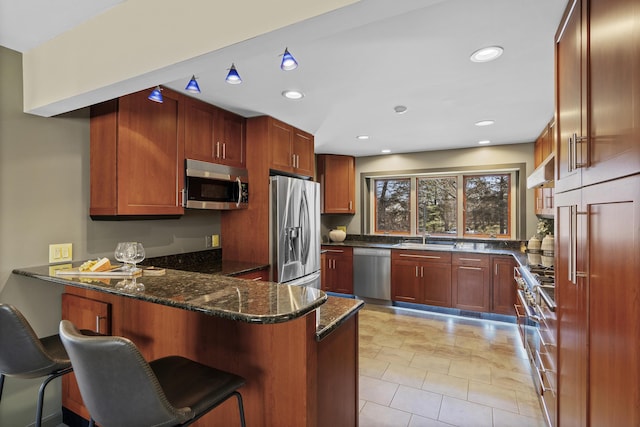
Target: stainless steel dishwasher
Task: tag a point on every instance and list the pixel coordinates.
(372, 273)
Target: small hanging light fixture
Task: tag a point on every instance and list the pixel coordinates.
(233, 77)
(192, 86)
(288, 61)
(156, 95)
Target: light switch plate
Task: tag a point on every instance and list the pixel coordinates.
(60, 252)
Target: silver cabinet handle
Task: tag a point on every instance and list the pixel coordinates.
(422, 271)
(98, 318)
(469, 268)
(350, 204)
(419, 256)
(339, 251)
(470, 259)
(224, 150)
(217, 149)
(416, 271)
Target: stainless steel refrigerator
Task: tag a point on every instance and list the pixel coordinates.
(295, 231)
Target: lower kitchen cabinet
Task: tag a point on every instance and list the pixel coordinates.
(260, 275)
(85, 313)
(470, 281)
(337, 269)
(503, 286)
(422, 277)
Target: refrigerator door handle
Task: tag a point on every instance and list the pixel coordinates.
(305, 227)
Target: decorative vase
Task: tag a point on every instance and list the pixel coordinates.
(534, 244)
(337, 235)
(547, 246)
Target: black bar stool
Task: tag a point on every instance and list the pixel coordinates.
(119, 388)
(24, 355)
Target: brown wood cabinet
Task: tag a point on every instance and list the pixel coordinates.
(422, 277)
(213, 134)
(291, 149)
(544, 147)
(503, 285)
(337, 269)
(137, 156)
(259, 275)
(598, 93)
(89, 314)
(470, 281)
(337, 183)
(597, 270)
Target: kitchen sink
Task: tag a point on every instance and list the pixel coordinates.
(425, 246)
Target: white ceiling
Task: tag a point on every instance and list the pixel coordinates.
(359, 62)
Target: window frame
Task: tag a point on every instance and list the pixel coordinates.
(375, 207)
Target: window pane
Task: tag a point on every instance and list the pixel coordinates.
(393, 205)
(487, 204)
(437, 205)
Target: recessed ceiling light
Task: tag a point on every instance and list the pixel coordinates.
(386, 151)
(400, 109)
(362, 137)
(485, 123)
(293, 94)
(487, 54)
(484, 142)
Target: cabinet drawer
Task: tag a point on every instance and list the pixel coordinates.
(338, 251)
(422, 256)
(470, 259)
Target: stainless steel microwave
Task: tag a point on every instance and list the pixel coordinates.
(214, 186)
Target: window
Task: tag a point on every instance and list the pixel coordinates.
(392, 207)
(458, 204)
(486, 205)
(437, 205)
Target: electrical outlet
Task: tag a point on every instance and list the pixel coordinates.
(60, 252)
(215, 240)
(207, 241)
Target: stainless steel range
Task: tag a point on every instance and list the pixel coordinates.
(537, 324)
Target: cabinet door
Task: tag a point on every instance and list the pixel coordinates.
(200, 131)
(571, 98)
(612, 242)
(231, 138)
(436, 283)
(324, 272)
(571, 301)
(88, 314)
(281, 154)
(503, 285)
(614, 92)
(406, 282)
(302, 143)
(337, 183)
(470, 281)
(150, 155)
(338, 270)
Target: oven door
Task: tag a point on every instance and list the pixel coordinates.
(528, 325)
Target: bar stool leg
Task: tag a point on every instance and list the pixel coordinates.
(240, 408)
(1, 384)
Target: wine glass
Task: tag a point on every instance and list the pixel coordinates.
(123, 253)
(138, 255)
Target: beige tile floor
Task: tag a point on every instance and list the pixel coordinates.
(422, 369)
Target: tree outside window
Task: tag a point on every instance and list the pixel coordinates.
(486, 205)
(437, 205)
(393, 205)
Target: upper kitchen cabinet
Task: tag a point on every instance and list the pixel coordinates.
(213, 134)
(337, 184)
(291, 150)
(598, 92)
(544, 147)
(137, 156)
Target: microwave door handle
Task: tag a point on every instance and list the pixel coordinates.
(239, 191)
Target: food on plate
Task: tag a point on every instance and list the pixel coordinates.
(102, 264)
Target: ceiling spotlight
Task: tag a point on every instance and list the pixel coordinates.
(386, 151)
(486, 54)
(156, 95)
(362, 137)
(485, 123)
(192, 86)
(288, 61)
(293, 94)
(400, 109)
(484, 142)
(233, 77)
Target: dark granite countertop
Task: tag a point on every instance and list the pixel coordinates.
(215, 295)
(334, 312)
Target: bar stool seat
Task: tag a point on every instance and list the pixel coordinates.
(24, 355)
(119, 388)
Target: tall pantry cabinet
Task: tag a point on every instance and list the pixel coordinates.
(598, 213)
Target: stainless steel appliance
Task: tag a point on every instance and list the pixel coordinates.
(214, 186)
(295, 231)
(537, 324)
(372, 273)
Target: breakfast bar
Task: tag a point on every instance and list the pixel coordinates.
(296, 347)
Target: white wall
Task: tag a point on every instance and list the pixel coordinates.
(44, 198)
(491, 155)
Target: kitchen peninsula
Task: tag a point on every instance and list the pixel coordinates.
(296, 347)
